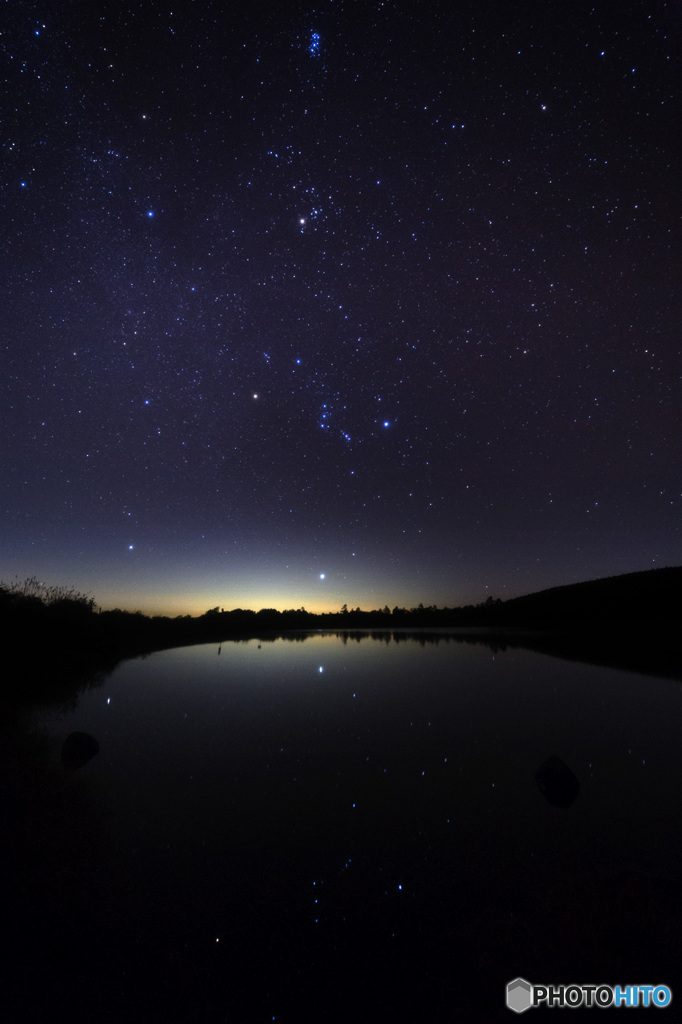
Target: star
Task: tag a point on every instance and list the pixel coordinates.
(326, 228)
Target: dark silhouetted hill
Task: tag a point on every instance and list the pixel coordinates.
(651, 597)
(54, 637)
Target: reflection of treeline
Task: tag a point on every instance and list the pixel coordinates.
(53, 630)
(48, 617)
(44, 627)
(39, 610)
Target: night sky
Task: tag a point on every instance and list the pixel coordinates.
(375, 303)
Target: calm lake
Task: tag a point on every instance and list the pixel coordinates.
(348, 829)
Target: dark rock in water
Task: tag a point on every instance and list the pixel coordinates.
(78, 748)
(557, 782)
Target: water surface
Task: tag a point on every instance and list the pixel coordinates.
(335, 829)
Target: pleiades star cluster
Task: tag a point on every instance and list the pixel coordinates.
(366, 303)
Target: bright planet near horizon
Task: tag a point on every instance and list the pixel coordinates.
(385, 296)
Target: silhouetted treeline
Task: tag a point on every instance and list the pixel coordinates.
(50, 631)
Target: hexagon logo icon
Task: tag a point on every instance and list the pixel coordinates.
(519, 995)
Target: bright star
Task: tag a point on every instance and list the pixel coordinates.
(322, 575)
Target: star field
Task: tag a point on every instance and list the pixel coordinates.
(365, 303)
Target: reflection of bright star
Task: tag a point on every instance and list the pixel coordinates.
(322, 575)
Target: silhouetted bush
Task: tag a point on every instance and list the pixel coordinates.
(55, 634)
